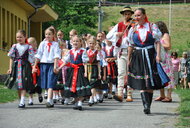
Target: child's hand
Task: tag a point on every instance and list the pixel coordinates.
(104, 78)
(56, 70)
(128, 62)
(85, 74)
(34, 69)
(9, 71)
(99, 76)
(158, 59)
(111, 59)
(107, 59)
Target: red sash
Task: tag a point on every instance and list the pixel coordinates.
(75, 75)
(110, 68)
(35, 74)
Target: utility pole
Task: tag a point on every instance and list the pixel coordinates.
(170, 16)
(100, 17)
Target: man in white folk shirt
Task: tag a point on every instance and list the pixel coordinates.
(118, 36)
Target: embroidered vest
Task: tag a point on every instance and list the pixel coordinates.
(109, 53)
(121, 28)
(92, 56)
(78, 58)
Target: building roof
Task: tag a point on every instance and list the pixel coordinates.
(39, 11)
(44, 14)
(35, 3)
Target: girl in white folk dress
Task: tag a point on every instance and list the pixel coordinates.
(21, 57)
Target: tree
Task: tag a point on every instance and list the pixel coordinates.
(72, 14)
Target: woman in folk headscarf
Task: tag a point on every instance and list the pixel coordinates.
(143, 58)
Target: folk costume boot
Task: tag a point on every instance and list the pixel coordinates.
(150, 98)
(118, 98)
(146, 102)
(129, 96)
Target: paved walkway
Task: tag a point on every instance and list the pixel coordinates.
(109, 114)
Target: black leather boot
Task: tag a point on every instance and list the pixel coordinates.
(146, 102)
(150, 98)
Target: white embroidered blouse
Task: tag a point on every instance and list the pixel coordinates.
(48, 56)
(85, 58)
(147, 27)
(21, 50)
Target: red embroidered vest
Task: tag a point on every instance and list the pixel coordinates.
(121, 28)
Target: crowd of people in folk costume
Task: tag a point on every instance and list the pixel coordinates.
(135, 54)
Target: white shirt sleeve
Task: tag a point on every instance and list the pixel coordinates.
(111, 36)
(98, 57)
(66, 58)
(40, 50)
(31, 58)
(104, 63)
(115, 51)
(11, 52)
(57, 51)
(130, 36)
(156, 33)
(85, 57)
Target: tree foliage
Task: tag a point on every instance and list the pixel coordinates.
(72, 14)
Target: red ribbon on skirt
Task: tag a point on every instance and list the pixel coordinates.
(111, 70)
(75, 75)
(35, 74)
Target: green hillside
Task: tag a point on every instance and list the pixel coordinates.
(180, 27)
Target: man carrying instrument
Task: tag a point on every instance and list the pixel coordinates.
(118, 37)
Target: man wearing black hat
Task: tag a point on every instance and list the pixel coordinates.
(118, 37)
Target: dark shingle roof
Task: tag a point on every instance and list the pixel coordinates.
(35, 3)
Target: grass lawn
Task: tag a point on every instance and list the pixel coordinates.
(7, 95)
(184, 109)
(180, 23)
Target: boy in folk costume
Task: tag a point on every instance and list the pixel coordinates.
(118, 37)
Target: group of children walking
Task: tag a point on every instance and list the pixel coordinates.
(78, 69)
(85, 68)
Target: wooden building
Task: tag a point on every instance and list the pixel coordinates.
(20, 14)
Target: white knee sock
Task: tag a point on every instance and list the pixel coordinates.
(22, 100)
(95, 99)
(30, 100)
(48, 100)
(51, 101)
(98, 96)
(66, 100)
(113, 88)
(91, 100)
(124, 91)
(79, 103)
(101, 96)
